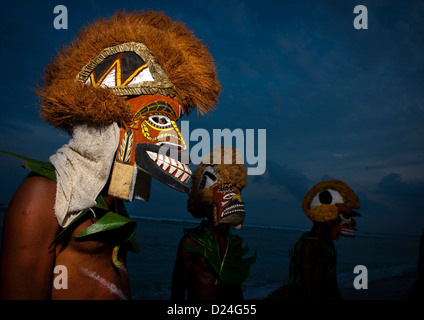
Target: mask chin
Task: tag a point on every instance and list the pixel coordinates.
(234, 219)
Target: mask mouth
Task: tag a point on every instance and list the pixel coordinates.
(347, 231)
(347, 223)
(234, 208)
(162, 166)
(234, 214)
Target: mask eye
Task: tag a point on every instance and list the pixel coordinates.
(208, 178)
(326, 197)
(160, 121)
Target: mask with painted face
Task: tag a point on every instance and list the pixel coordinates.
(130, 70)
(228, 207)
(344, 224)
(333, 202)
(216, 188)
(146, 144)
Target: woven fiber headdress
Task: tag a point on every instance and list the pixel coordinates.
(129, 54)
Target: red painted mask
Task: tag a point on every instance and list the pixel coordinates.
(130, 70)
(345, 224)
(228, 207)
(142, 143)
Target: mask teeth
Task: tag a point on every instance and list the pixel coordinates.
(234, 208)
(171, 166)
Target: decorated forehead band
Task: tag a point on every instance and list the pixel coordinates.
(127, 69)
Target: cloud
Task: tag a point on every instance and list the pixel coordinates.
(394, 205)
(393, 185)
(279, 180)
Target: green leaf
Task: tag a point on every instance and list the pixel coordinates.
(212, 253)
(47, 173)
(132, 245)
(196, 234)
(110, 221)
(42, 164)
(191, 249)
(232, 269)
(100, 203)
(204, 238)
(235, 269)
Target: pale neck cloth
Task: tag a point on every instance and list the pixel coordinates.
(82, 169)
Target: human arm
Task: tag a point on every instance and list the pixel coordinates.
(29, 227)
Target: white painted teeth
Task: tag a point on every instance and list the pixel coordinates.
(172, 166)
(178, 173)
(235, 208)
(152, 155)
(185, 177)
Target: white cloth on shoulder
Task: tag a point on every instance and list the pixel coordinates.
(82, 169)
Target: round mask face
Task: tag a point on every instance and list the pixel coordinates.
(342, 222)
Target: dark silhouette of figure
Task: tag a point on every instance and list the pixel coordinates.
(210, 263)
(313, 259)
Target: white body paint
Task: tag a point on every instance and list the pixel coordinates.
(104, 283)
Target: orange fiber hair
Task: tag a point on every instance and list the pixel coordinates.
(184, 58)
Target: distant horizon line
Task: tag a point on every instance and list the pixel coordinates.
(275, 227)
(259, 226)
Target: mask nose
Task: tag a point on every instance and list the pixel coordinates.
(172, 138)
(237, 198)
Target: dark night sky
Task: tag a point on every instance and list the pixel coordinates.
(336, 102)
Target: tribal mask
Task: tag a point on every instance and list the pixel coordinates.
(130, 70)
(345, 224)
(154, 127)
(146, 146)
(228, 207)
(333, 202)
(216, 188)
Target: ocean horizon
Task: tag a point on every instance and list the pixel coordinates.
(278, 227)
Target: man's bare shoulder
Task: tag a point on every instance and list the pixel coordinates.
(29, 227)
(39, 185)
(34, 198)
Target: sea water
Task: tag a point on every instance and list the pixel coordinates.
(150, 270)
